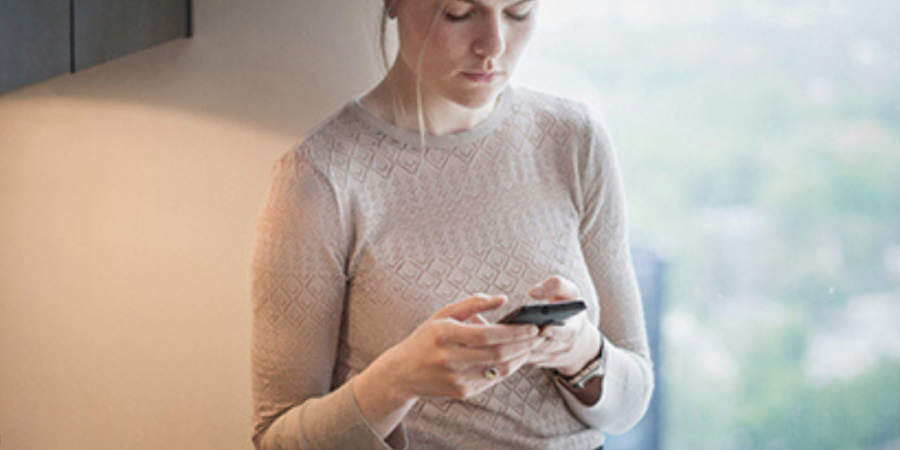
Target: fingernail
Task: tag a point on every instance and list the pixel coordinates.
(537, 291)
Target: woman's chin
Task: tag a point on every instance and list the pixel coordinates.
(479, 98)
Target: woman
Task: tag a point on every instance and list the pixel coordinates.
(409, 221)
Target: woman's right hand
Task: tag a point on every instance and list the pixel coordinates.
(448, 355)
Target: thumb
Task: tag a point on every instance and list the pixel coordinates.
(478, 319)
(466, 308)
(555, 289)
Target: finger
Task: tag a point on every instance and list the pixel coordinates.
(555, 288)
(550, 360)
(562, 333)
(464, 309)
(488, 334)
(504, 369)
(512, 366)
(481, 356)
(478, 319)
(546, 349)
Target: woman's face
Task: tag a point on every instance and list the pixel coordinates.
(466, 35)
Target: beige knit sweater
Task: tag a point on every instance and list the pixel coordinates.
(364, 235)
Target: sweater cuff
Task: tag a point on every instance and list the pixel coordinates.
(332, 422)
(338, 423)
(627, 388)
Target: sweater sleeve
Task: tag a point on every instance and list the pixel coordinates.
(299, 283)
(628, 383)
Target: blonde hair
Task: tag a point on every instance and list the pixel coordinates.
(396, 104)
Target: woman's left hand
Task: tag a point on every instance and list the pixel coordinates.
(568, 347)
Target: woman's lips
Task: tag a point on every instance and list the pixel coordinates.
(480, 77)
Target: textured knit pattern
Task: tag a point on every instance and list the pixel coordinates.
(364, 235)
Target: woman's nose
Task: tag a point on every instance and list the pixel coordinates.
(490, 43)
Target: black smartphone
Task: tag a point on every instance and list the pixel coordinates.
(544, 314)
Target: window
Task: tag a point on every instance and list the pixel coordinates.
(760, 141)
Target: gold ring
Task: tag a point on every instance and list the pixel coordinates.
(490, 373)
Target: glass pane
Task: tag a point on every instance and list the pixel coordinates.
(760, 141)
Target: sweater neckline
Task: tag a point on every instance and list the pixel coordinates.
(412, 138)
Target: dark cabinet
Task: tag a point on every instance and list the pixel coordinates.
(108, 29)
(40, 39)
(34, 41)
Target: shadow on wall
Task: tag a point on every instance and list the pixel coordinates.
(129, 194)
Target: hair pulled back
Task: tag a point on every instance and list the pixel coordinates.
(382, 46)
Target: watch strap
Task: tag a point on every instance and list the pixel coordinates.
(593, 369)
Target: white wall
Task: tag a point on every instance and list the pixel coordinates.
(128, 199)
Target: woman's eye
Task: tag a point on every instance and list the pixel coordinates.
(460, 18)
(456, 18)
(519, 17)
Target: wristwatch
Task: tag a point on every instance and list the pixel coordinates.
(596, 368)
